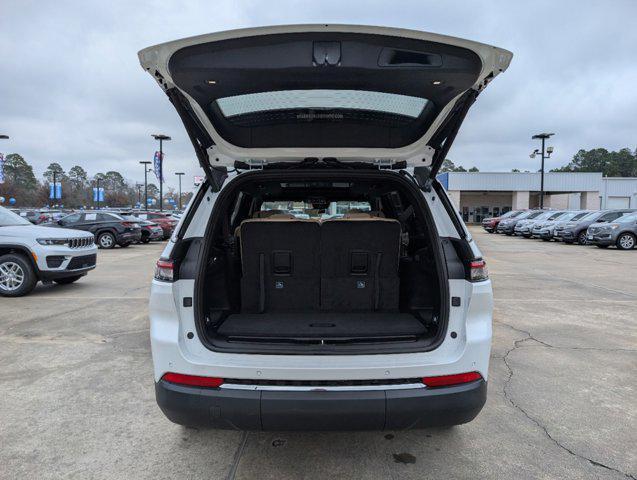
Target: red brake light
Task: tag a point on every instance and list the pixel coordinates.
(192, 380)
(478, 271)
(164, 270)
(448, 380)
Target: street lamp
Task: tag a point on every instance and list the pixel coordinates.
(161, 137)
(179, 175)
(546, 153)
(146, 170)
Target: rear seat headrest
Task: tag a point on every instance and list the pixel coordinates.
(359, 214)
(268, 213)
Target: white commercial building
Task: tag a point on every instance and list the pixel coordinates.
(481, 194)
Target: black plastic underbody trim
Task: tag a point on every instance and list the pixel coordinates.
(326, 410)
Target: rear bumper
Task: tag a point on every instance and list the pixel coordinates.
(237, 409)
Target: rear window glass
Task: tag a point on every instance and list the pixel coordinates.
(322, 99)
(305, 210)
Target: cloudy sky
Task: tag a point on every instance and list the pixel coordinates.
(72, 91)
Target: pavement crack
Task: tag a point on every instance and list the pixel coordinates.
(237, 456)
(507, 395)
(529, 336)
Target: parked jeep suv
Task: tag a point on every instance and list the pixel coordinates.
(30, 253)
(375, 318)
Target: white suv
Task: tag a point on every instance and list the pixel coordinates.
(29, 253)
(370, 309)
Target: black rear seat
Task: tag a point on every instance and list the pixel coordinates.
(283, 269)
(360, 273)
(280, 265)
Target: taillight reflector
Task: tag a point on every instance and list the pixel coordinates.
(448, 380)
(164, 270)
(478, 271)
(192, 380)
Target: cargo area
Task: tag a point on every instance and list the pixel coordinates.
(335, 264)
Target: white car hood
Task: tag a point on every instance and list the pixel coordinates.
(37, 231)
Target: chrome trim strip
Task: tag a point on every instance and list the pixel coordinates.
(333, 388)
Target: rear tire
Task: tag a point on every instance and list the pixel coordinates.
(626, 241)
(106, 240)
(67, 280)
(17, 277)
(581, 238)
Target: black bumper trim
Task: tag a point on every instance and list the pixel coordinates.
(54, 275)
(320, 410)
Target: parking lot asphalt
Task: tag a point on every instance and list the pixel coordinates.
(77, 398)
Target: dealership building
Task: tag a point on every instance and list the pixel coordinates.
(482, 194)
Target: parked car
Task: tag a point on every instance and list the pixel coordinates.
(490, 224)
(621, 232)
(108, 228)
(30, 253)
(572, 218)
(150, 230)
(374, 320)
(507, 226)
(575, 231)
(29, 214)
(165, 221)
(523, 227)
(545, 227)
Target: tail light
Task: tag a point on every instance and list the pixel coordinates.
(478, 271)
(192, 380)
(449, 380)
(164, 270)
(130, 224)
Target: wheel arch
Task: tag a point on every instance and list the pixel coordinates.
(24, 251)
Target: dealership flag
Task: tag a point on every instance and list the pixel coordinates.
(1, 168)
(98, 194)
(157, 162)
(55, 191)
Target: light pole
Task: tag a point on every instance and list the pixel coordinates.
(179, 175)
(145, 184)
(161, 137)
(543, 152)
